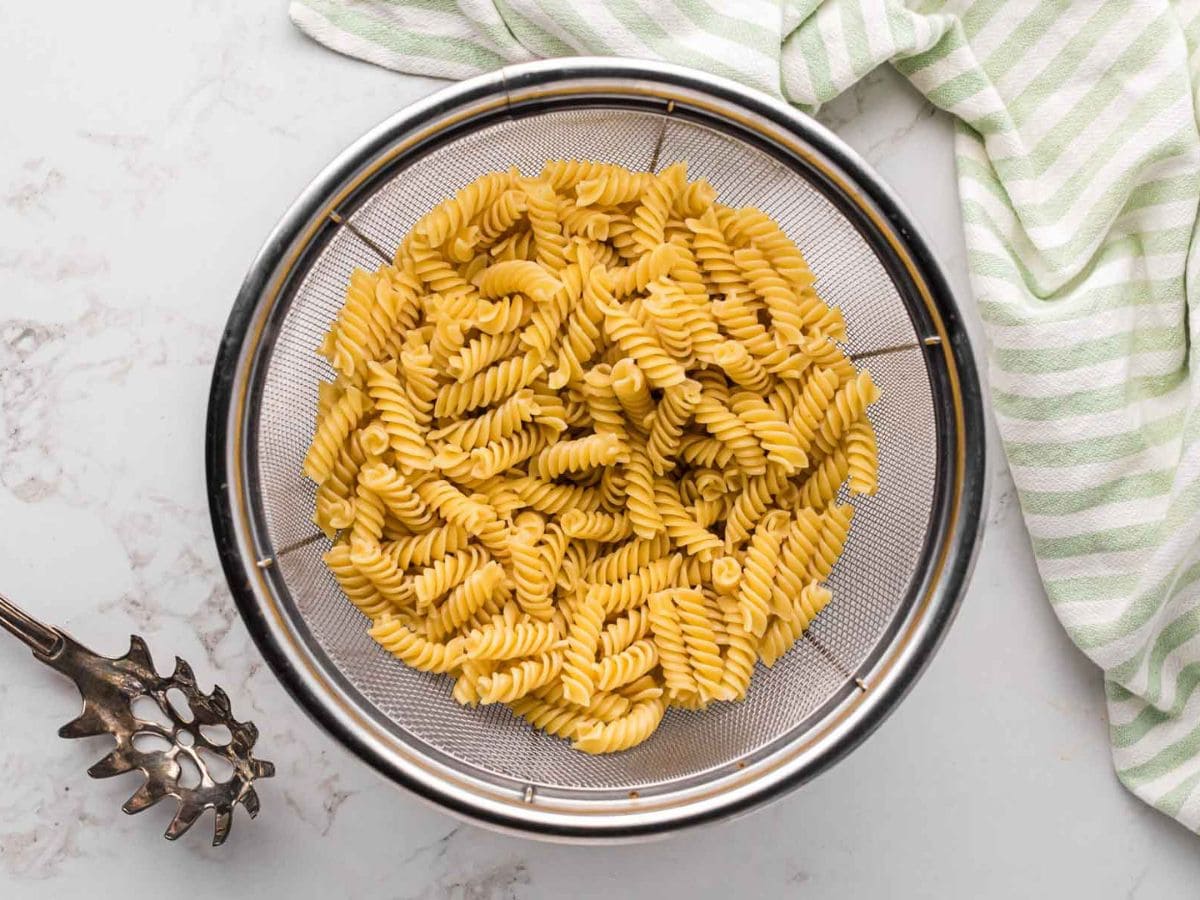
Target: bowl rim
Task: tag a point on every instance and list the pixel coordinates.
(246, 554)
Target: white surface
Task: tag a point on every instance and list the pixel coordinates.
(143, 158)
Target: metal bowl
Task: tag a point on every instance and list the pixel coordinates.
(895, 590)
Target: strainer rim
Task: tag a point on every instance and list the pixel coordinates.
(959, 537)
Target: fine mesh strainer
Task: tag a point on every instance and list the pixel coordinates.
(895, 588)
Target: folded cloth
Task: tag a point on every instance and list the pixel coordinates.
(1079, 174)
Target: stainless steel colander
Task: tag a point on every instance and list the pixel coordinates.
(895, 589)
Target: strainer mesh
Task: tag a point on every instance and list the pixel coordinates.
(869, 584)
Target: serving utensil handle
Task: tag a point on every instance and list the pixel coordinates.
(39, 637)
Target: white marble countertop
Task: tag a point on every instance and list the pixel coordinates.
(143, 159)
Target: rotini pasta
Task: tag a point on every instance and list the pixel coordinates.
(583, 444)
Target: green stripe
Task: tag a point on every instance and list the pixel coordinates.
(406, 43)
(962, 87)
(1119, 197)
(1086, 402)
(1136, 614)
(1139, 486)
(952, 40)
(812, 46)
(977, 16)
(1151, 716)
(985, 262)
(749, 34)
(651, 33)
(1181, 630)
(1110, 540)
(1021, 39)
(1103, 448)
(1134, 58)
(1089, 353)
(1160, 240)
(854, 36)
(1083, 304)
(1172, 802)
(531, 34)
(1091, 588)
(1166, 760)
(1059, 70)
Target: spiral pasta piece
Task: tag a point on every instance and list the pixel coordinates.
(398, 496)
(668, 640)
(421, 549)
(640, 345)
(499, 456)
(448, 218)
(654, 206)
(713, 412)
(505, 314)
(809, 412)
(758, 572)
(332, 431)
(414, 650)
(627, 666)
(517, 276)
(776, 293)
(498, 642)
(358, 587)
(685, 532)
(619, 596)
(649, 267)
(453, 506)
(597, 526)
(786, 630)
(446, 573)
(629, 387)
(501, 215)
(716, 260)
(578, 455)
(822, 486)
(556, 719)
(579, 657)
(465, 600)
(611, 187)
(624, 631)
(493, 425)
(772, 431)
(700, 643)
(549, 243)
(862, 458)
(849, 405)
(743, 368)
(493, 384)
(396, 412)
(514, 682)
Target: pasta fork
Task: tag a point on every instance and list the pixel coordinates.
(109, 688)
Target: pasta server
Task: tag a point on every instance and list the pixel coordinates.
(109, 688)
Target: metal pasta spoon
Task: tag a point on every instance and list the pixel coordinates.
(109, 688)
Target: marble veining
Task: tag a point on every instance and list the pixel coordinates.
(138, 176)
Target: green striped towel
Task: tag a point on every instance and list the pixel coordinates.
(1079, 174)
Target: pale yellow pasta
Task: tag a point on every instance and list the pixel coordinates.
(582, 447)
(332, 431)
(446, 573)
(862, 457)
(630, 664)
(511, 641)
(413, 649)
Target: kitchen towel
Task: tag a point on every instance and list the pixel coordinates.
(1079, 174)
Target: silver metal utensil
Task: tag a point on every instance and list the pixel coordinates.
(109, 688)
